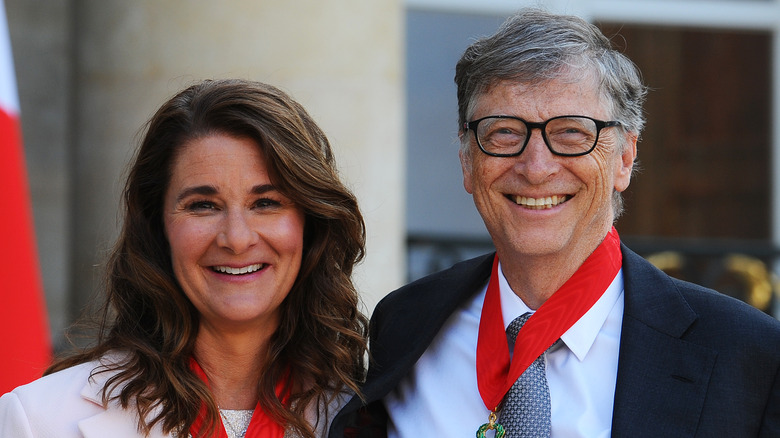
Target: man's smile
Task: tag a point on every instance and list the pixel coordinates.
(539, 203)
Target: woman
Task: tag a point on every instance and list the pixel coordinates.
(229, 290)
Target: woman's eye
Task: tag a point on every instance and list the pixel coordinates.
(201, 205)
(265, 203)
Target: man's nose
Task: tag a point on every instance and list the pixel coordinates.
(537, 162)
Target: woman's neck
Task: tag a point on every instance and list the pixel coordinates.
(233, 365)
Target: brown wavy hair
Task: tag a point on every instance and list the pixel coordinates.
(147, 317)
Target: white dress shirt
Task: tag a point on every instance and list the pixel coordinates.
(440, 395)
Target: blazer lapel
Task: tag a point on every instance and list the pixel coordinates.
(113, 421)
(662, 379)
(402, 326)
(399, 338)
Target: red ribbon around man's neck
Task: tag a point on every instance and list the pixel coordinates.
(495, 374)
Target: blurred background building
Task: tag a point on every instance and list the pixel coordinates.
(377, 76)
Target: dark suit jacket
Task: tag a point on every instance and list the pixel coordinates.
(692, 362)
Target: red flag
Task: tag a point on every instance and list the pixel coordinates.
(25, 347)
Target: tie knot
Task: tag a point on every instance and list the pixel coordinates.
(514, 327)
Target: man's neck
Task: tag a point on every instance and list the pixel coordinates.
(535, 278)
(534, 285)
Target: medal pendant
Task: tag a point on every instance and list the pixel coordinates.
(491, 425)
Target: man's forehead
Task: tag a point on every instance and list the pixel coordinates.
(558, 96)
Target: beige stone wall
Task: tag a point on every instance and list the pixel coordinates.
(342, 59)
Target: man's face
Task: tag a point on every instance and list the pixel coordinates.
(575, 193)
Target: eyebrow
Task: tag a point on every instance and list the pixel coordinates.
(263, 188)
(207, 190)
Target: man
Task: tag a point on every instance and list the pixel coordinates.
(549, 117)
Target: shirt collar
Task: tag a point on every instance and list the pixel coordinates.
(581, 336)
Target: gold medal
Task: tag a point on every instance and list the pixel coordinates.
(491, 425)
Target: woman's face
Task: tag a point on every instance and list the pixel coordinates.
(236, 241)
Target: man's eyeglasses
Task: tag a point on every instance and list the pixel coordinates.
(507, 136)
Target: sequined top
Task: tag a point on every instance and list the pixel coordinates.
(240, 419)
(236, 422)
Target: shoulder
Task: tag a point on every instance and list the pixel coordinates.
(51, 405)
(406, 321)
(65, 382)
(320, 413)
(454, 283)
(729, 316)
(715, 318)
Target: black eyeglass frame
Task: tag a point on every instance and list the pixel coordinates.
(600, 124)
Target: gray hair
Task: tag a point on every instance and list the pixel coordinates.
(535, 46)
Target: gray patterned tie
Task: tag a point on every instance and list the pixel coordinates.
(526, 410)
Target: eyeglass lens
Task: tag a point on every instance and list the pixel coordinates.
(564, 135)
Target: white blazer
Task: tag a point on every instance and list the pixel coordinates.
(67, 404)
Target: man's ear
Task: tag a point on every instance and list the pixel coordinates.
(465, 166)
(625, 165)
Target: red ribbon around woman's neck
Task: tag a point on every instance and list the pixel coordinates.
(495, 374)
(261, 425)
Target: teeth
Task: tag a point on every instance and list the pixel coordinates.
(541, 203)
(238, 271)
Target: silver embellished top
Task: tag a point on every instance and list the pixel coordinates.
(236, 422)
(240, 419)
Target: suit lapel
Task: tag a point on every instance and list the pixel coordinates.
(401, 337)
(112, 421)
(662, 379)
(402, 327)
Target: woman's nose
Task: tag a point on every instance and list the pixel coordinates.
(237, 234)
